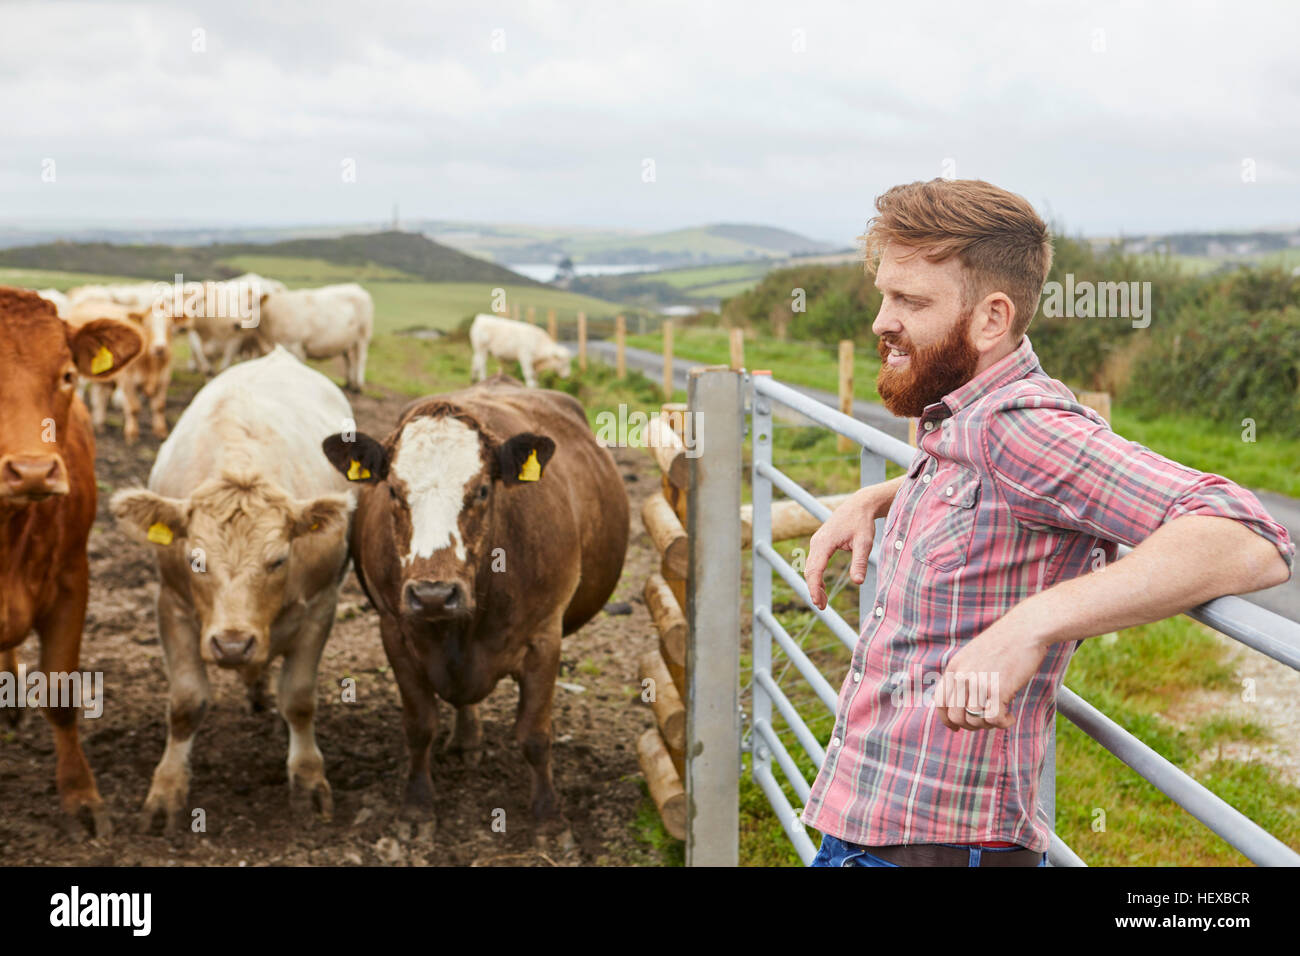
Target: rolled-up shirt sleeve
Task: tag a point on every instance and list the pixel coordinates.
(1058, 464)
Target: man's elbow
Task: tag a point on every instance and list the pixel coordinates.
(1264, 565)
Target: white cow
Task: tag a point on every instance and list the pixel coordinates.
(58, 298)
(222, 319)
(249, 523)
(334, 320)
(512, 341)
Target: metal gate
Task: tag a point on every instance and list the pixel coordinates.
(720, 396)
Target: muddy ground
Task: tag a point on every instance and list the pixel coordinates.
(239, 777)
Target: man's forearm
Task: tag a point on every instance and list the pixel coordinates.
(1187, 562)
(882, 494)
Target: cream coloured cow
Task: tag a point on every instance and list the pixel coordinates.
(334, 320)
(512, 341)
(249, 524)
(221, 320)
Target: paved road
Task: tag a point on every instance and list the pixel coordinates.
(1283, 599)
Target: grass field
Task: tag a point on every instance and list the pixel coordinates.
(1138, 677)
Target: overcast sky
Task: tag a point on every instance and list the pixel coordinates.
(1108, 118)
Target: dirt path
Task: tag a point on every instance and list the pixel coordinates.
(239, 757)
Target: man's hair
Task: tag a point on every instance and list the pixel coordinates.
(996, 235)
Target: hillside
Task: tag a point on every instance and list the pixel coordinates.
(407, 253)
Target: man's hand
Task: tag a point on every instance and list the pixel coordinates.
(851, 527)
(985, 675)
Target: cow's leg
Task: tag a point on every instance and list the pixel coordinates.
(187, 700)
(359, 366)
(130, 412)
(536, 679)
(526, 365)
(478, 367)
(9, 665)
(158, 403)
(60, 633)
(297, 698)
(467, 738)
(100, 392)
(198, 357)
(254, 679)
(419, 720)
(228, 354)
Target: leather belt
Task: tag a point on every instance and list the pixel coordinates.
(936, 854)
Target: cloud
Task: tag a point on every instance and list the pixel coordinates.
(795, 115)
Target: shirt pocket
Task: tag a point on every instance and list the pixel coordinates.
(944, 543)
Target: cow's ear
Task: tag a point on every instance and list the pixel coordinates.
(359, 458)
(151, 518)
(323, 515)
(523, 458)
(103, 346)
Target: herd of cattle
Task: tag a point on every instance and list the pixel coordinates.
(487, 524)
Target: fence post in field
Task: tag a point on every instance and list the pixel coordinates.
(713, 602)
(737, 348)
(843, 443)
(668, 360)
(620, 344)
(582, 341)
(551, 328)
(532, 315)
(1099, 402)
(514, 311)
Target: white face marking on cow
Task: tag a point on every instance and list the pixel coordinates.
(436, 460)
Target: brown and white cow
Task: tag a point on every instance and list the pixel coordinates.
(249, 524)
(491, 524)
(47, 505)
(150, 374)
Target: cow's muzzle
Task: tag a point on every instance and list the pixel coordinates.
(434, 600)
(232, 648)
(32, 477)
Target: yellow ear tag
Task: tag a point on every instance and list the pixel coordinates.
(102, 362)
(356, 472)
(159, 533)
(531, 470)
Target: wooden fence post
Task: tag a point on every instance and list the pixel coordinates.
(582, 341)
(737, 348)
(551, 328)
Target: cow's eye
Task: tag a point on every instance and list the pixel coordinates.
(392, 493)
(482, 492)
(69, 377)
(278, 563)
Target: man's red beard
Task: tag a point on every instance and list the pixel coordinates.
(930, 373)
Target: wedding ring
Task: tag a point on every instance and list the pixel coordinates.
(975, 713)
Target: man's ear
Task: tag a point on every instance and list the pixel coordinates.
(147, 517)
(102, 347)
(523, 457)
(361, 459)
(322, 515)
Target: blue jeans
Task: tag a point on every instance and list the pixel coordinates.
(835, 852)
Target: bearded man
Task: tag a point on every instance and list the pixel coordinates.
(999, 547)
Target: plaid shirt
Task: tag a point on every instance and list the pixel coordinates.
(1015, 487)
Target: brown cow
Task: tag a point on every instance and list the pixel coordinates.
(492, 524)
(47, 505)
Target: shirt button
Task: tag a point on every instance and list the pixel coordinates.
(948, 491)
(835, 741)
(880, 611)
(947, 422)
(928, 426)
(925, 479)
(898, 545)
(857, 677)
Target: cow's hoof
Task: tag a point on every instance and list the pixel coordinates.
(471, 755)
(550, 840)
(89, 819)
(311, 802)
(160, 807)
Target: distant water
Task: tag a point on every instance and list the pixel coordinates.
(545, 271)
